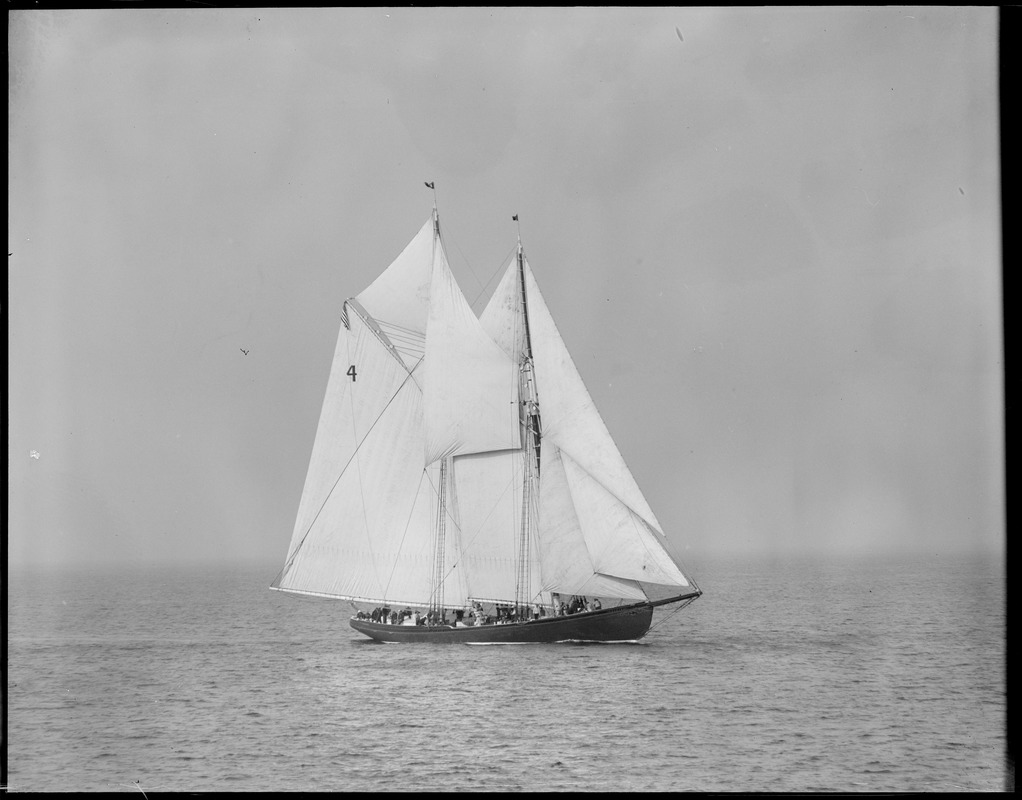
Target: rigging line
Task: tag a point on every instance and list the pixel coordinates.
(523, 581)
(402, 328)
(640, 525)
(675, 556)
(436, 597)
(340, 475)
(409, 345)
(443, 243)
(404, 533)
(500, 266)
(400, 333)
(406, 339)
(615, 496)
(358, 466)
(679, 608)
(632, 517)
(459, 550)
(512, 482)
(446, 515)
(370, 322)
(535, 556)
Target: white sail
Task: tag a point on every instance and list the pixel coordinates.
(364, 523)
(504, 318)
(488, 509)
(566, 563)
(570, 419)
(399, 297)
(470, 384)
(598, 534)
(414, 379)
(619, 541)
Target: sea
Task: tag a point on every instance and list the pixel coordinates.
(788, 675)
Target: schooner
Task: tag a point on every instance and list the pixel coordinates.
(462, 485)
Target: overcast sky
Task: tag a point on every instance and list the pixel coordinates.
(770, 239)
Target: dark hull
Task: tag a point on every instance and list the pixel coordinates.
(620, 624)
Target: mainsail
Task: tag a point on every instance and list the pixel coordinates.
(462, 459)
(414, 380)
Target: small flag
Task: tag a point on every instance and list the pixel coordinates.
(429, 184)
(515, 218)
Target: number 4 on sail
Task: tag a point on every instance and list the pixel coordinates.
(463, 487)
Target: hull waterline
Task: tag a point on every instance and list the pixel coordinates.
(620, 624)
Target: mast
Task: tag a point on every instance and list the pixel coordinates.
(530, 420)
(530, 403)
(436, 596)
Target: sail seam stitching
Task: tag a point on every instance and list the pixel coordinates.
(344, 469)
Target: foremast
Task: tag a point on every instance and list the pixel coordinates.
(531, 436)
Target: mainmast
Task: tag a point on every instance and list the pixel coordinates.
(436, 597)
(530, 421)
